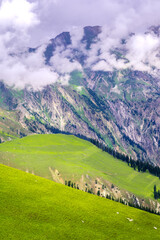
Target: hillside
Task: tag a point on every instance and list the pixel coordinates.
(10, 128)
(61, 157)
(35, 208)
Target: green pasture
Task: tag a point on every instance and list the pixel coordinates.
(74, 157)
(35, 208)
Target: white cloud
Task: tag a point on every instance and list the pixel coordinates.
(61, 61)
(17, 17)
(18, 67)
(17, 14)
(142, 45)
(25, 23)
(122, 16)
(27, 69)
(102, 66)
(142, 52)
(76, 34)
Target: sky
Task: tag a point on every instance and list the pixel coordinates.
(56, 16)
(30, 23)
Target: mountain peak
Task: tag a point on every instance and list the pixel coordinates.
(155, 30)
(90, 33)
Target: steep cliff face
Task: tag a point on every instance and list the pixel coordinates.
(121, 108)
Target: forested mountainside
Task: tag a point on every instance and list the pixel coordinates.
(119, 107)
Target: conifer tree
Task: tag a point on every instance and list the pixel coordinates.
(98, 193)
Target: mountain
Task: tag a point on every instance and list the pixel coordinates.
(120, 108)
(65, 159)
(35, 208)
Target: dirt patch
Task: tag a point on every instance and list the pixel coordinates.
(56, 175)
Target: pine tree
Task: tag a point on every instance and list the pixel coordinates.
(98, 193)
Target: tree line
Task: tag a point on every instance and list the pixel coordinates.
(110, 197)
(156, 192)
(139, 165)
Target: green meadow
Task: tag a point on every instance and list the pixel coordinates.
(35, 208)
(74, 158)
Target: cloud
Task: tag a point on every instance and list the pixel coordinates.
(142, 52)
(102, 65)
(17, 14)
(122, 16)
(26, 23)
(63, 65)
(17, 17)
(27, 70)
(76, 34)
(18, 67)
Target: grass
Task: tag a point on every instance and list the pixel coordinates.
(38, 209)
(80, 90)
(74, 158)
(76, 78)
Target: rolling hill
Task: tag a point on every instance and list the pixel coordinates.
(36, 208)
(63, 158)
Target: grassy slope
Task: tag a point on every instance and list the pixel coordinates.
(35, 208)
(73, 158)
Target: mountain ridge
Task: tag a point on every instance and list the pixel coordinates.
(120, 108)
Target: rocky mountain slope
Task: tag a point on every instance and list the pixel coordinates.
(120, 107)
